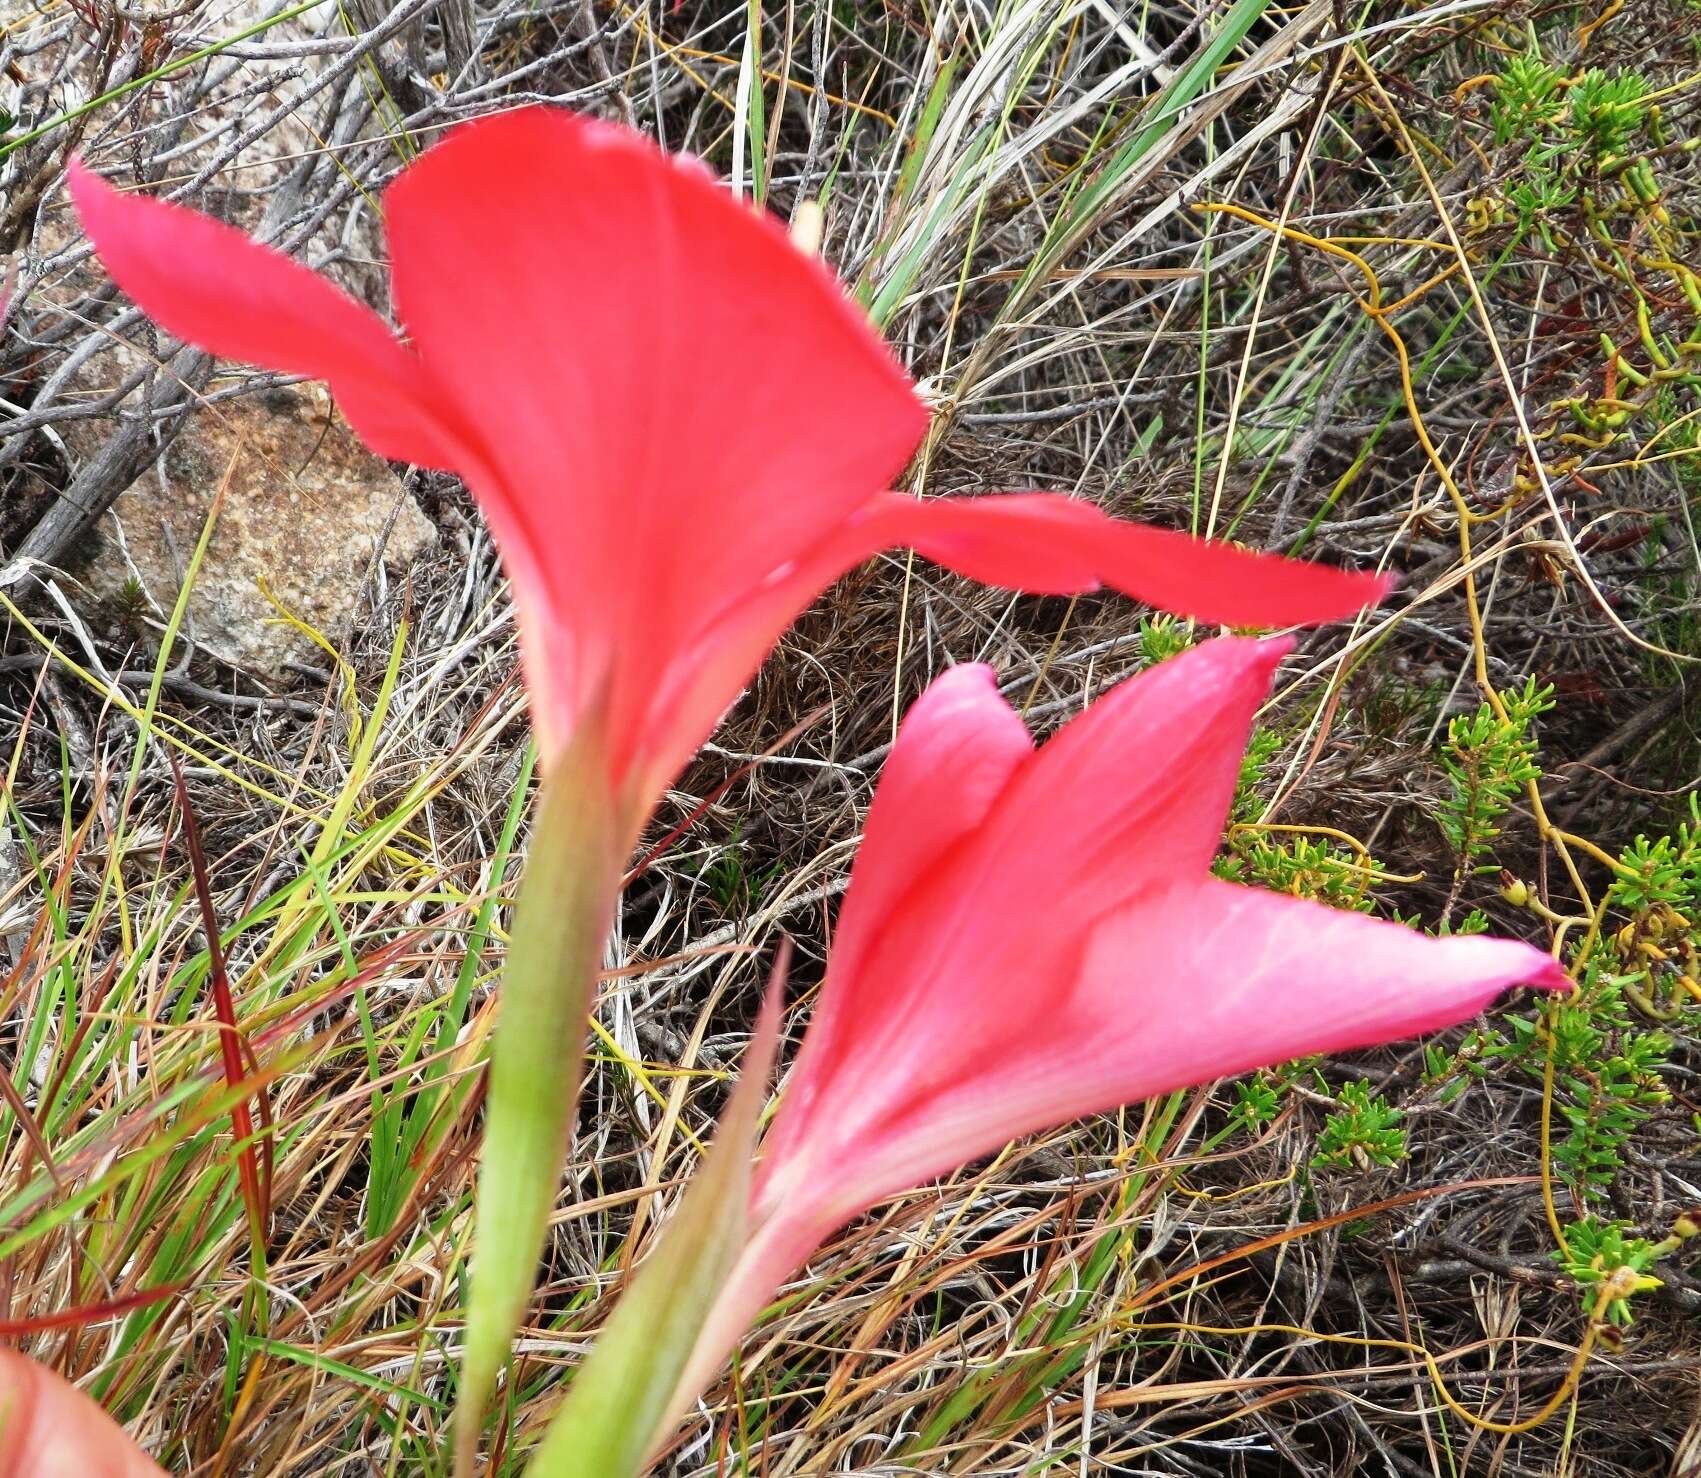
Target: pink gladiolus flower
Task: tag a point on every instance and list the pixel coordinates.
(1031, 936)
(679, 427)
(50, 1429)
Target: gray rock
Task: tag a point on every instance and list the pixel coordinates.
(305, 511)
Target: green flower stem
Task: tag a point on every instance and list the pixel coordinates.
(560, 922)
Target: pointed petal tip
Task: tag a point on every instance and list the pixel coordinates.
(977, 678)
(89, 193)
(1238, 661)
(1469, 973)
(1380, 586)
(1049, 544)
(1346, 595)
(1500, 965)
(1330, 594)
(210, 285)
(1272, 649)
(1547, 974)
(964, 693)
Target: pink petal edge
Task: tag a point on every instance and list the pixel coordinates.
(214, 287)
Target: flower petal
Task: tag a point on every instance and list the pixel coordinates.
(1039, 550)
(214, 287)
(956, 750)
(1037, 542)
(677, 400)
(1135, 790)
(50, 1429)
(1231, 978)
(954, 971)
(1064, 546)
(1195, 981)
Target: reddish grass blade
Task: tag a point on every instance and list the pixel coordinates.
(89, 1313)
(232, 1047)
(708, 803)
(251, 1065)
(32, 1130)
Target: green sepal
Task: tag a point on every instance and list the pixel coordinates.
(615, 1413)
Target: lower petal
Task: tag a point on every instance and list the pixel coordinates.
(1200, 980)
(1212, 978)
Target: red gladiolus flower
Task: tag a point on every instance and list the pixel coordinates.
(679, 427)
(50, 1429)
(1031, 936)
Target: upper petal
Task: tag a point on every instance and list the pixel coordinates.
(1032, 554)
(1063, 546)
(1135, 790)
(677, 400)
(956, 750)
(214, 287)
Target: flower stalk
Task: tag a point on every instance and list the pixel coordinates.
(561, 918)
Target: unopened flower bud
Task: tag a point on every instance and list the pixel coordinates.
(808, 226)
